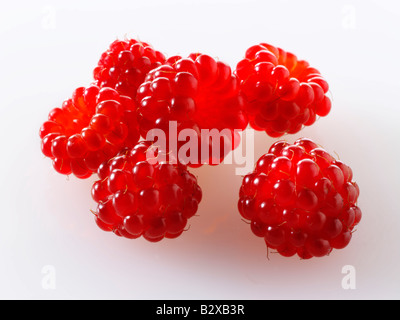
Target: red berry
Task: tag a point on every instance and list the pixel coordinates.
(300, 200)
(282, 94)
(136, 197)
(88, 129)
(61, 166)
(125, 64)
(197, 93)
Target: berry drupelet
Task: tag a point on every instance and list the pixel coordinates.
(301, 200)
(283, 94)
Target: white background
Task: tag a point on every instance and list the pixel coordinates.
(48, 48)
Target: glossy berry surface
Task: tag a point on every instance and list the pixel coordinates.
(139, 197)
(88, 129)
(196, 93)
(300, 200)
(124, 65)
(283, 94)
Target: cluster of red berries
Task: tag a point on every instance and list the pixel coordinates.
(125, 64)
(283, 94)
(299, 198)
(88, 129)
(137, 197)
(197, 93)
